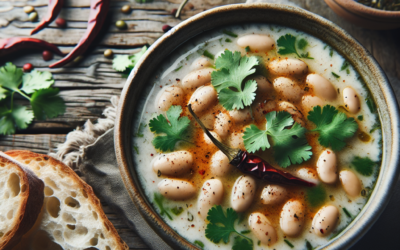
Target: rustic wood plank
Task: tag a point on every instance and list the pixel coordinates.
(43, 143)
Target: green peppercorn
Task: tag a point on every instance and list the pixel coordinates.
(28, 9)
(108, 53)
(78, 59)
(33, 16)
(126, 9)
(120, 24)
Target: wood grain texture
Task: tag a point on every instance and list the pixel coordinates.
(88, 85)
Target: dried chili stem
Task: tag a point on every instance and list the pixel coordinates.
(178, 12)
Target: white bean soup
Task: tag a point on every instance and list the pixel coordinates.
(275, 92)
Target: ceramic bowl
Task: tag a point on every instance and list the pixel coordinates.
(365, 16)
(292, 17)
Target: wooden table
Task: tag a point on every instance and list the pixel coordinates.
(88, 85)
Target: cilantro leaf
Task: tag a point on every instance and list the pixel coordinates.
(159, 199)
(316, 196)
(4, 93)
(10, 76)
(232, 69)
(287, 45)
(241, 243)
(290, 145)
(364, 166)
(18, 117)
(174, 128)
(135, 57)
(221, 225)
(302, 44)
(36, 80)
(333, 126)
(121, 63)
(47, 103)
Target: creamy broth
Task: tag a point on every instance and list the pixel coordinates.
(325, 61)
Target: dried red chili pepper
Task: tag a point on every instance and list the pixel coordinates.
(97, 15)
(53, 10)
(10, 45)
(252, 164)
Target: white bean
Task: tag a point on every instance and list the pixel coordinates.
(273, 194)
(200, 63)
(351, 183)
(176, 189)
(285, 67)
(203, 98)
(263, 108)
(175, 163)
(235, 140)
(170, 96)
(309, 102)
(327, 166)
(351, 100)
(322, 87)
(197, 78)
(220, 164)
(262, 229)
(308, 174)
(207, 139)
(292, 218)
(243, 192)
(325, 220)
(242, 116)
(208, 120)
(288, 89)
(257, 43)
(264, 87)
(291, 109)
(222, 124)
(211, 194)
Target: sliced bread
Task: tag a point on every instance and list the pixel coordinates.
(72, 217)
(21, 200)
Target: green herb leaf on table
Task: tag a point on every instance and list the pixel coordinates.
(173, 126)
(19, 117)
(364, 166)
(287, 45)
(316, 196)
(159, 200)
(289, 144)
(36, 80)
(333, 126)
(123, 63)
(232, 69)
(47, 103)
(221, 226)
(10, 76)
(3, 93)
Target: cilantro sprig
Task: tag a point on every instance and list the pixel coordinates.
(364, 166)
(173, 127)
(221, 226)
(290, 144)
(36, 88)
(287, 45)
(333, 126)
(125, 63)
(232, 69)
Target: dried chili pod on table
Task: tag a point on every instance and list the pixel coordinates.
(53, 10)
(251, 164)
(10, 45)
(97, 16)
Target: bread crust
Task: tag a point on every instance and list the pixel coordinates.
(30, 206)
(22, 155)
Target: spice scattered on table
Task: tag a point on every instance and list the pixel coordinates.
(60, 22)
(28, 9)
(108, 53)
(33, 16)
(13, 44)
(53, 9)
(126, 9)
(121, 25)
(27, 67)
(166, 28)
(47, 55)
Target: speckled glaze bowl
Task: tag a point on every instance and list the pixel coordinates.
(292, 17)
(365, 16)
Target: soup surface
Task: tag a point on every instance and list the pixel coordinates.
(280, 94)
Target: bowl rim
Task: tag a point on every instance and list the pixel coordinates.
(380, 197)
(356, 7)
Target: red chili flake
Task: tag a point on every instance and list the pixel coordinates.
(321, 230)
(27, 67)
(202, 172)
(160, 86)
(178, 80)
(256, 51)
(151, 154)
(192, 225)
